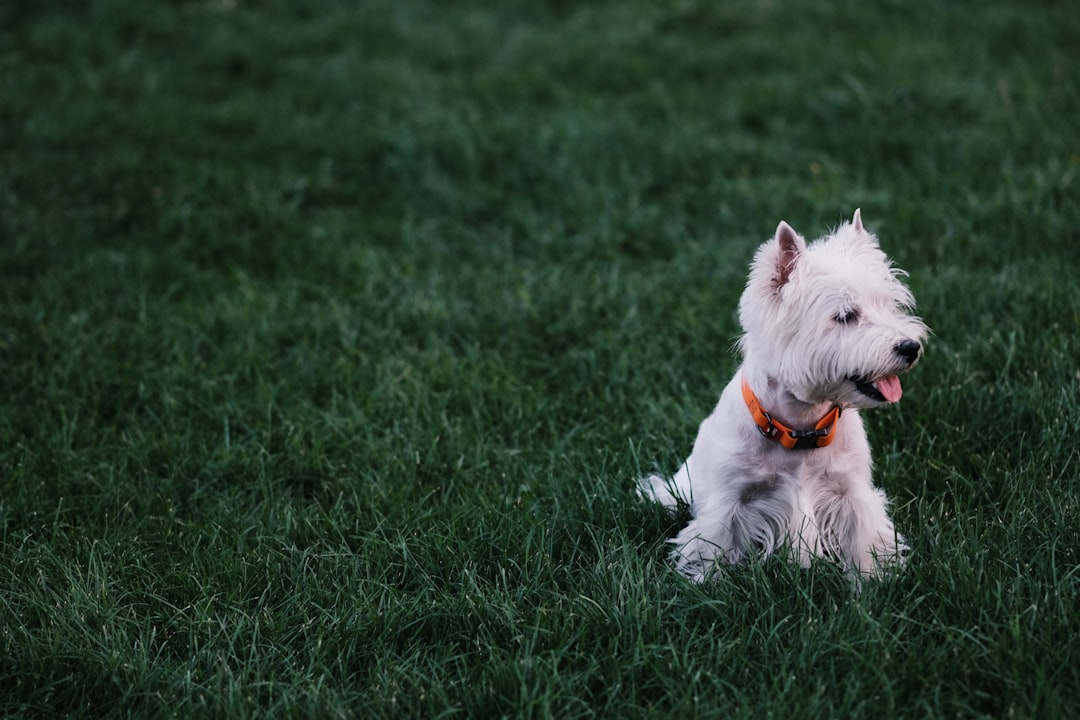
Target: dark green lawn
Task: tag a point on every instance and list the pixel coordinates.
(334, 335)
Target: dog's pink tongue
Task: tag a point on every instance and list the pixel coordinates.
(889, 387)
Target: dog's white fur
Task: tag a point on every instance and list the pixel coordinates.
(817, 318)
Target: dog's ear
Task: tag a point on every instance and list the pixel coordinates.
(856, 220)
(791, 248)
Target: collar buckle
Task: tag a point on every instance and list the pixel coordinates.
(809, 439)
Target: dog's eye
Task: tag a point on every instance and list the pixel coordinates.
(847, 317)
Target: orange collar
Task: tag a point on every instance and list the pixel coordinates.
(822, 434)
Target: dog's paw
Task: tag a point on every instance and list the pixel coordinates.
(659, 489)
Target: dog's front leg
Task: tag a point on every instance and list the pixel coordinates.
(854, 527)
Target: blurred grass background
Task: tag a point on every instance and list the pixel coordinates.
(333, 336)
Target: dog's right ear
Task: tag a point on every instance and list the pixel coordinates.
(791, 248)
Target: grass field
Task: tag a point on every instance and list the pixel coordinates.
(333, 336)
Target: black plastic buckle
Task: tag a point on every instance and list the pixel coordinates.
(807, 439)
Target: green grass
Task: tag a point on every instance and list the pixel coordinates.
(333, 336)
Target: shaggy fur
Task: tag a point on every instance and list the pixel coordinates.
(826, 324)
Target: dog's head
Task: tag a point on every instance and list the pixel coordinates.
(830, 321)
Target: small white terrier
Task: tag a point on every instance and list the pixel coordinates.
(783, 463)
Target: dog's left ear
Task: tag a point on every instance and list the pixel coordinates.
(856, 220)
(791, 247)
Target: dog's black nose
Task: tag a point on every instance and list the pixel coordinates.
(909, 350)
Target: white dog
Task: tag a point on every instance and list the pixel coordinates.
(783, 463)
